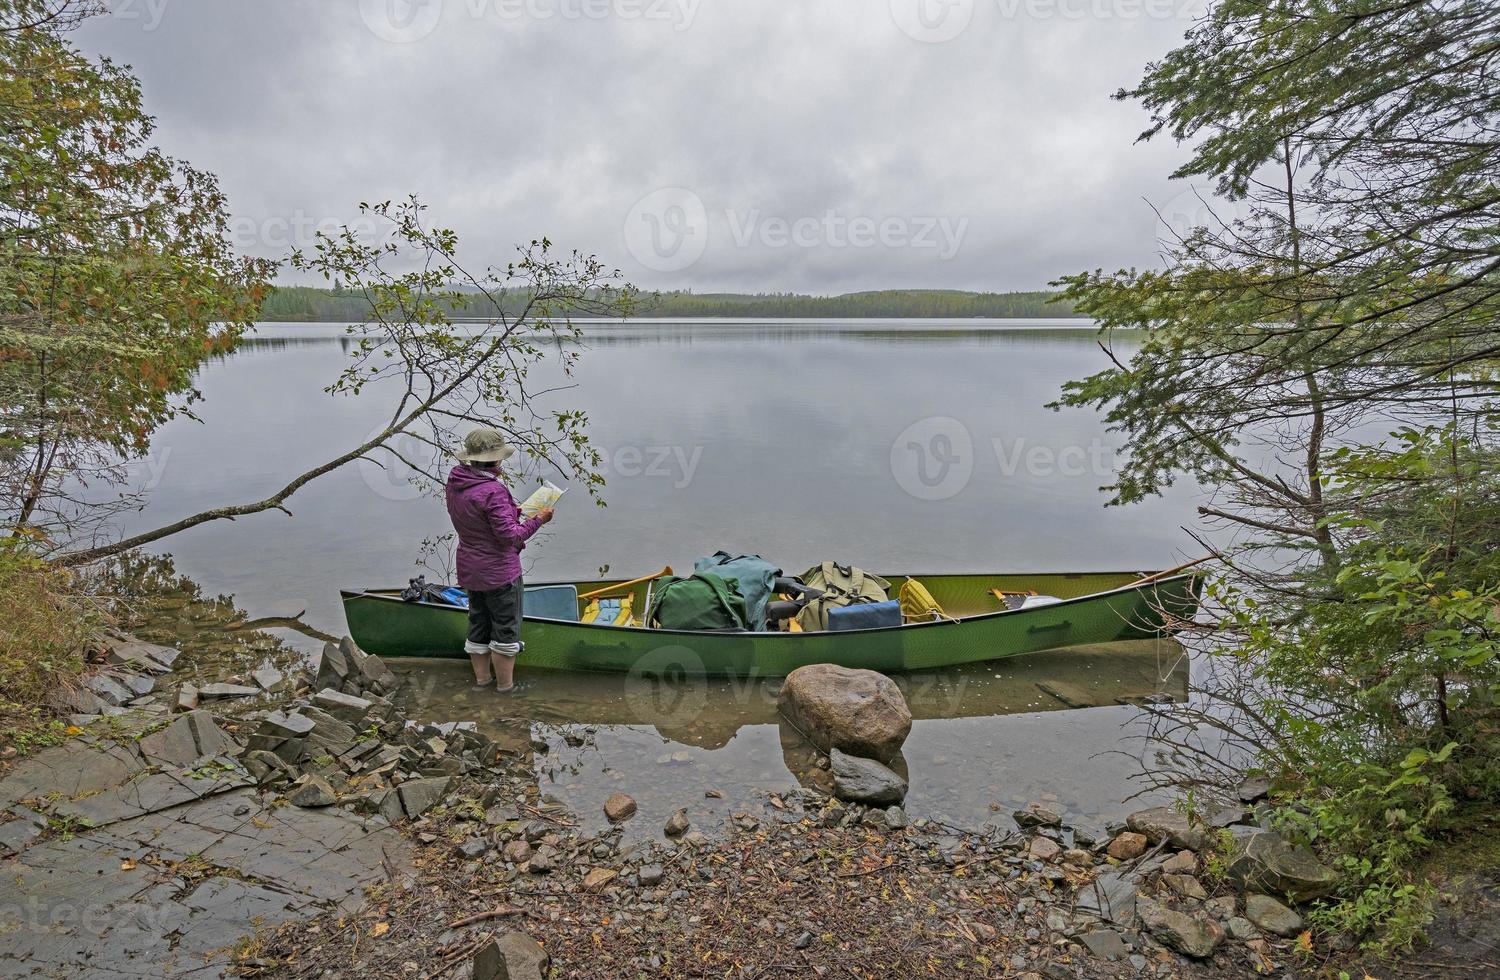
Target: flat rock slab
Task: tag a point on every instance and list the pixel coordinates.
(81, 766)
(148, 794)
(91, 905)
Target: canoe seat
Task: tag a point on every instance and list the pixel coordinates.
(552, 602)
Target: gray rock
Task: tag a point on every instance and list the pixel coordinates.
(187, 697)
(333, 668)
(346, 707)
(283, 725)
(1265, 861)
(1072, 695)
(313, 791)
(420, 795)
(142, 656)
(512, 956)
(1037, 815)
(1111, 896)
(1254, 788)
(267, 676)
(1191, 935)
(474, 847)
(1105, 944)
(895, 817)
(109, 690)
(859, 712)
(1271, 916)
(137, 684)
(677, 824)
(1164, 823)
(266, 767)
(860, 780)
(190, 737)
(1241, 929)
(651, 875)
(214, 691)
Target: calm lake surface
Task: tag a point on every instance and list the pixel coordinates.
(918, 446)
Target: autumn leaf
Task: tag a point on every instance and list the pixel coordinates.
(128, 864)
(381, 928)
(1304, 942)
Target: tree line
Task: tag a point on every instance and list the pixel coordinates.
(342, 305)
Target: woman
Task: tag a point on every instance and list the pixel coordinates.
(491, 535)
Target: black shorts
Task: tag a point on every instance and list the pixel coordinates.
(495, 614)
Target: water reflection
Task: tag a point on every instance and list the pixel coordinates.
(986, 738)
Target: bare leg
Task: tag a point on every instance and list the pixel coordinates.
(503, 662)
(479, 658)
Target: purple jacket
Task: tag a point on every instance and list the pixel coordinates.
(491, 533)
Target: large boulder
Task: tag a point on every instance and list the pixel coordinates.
(859, 712)
(1267, 862)
(861, 780)
(1163, 823)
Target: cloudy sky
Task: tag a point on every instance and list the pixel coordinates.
(810, 145)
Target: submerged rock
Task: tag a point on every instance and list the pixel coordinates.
(1267, 862)
(859, 712)
(860, 780)
(619, 808)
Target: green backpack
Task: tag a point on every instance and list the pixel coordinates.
(842, 585)
(702, 601)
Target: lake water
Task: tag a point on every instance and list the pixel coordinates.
(918, 446)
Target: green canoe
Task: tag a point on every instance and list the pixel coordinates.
(1096, 607)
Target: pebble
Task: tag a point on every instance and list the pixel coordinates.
(651, 874)
(619, 808)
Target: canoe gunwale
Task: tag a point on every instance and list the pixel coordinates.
(1191, 577)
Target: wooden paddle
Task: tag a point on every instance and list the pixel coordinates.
(1171, 571)
(625, 585)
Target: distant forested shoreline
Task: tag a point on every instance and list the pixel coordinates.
(306, 303)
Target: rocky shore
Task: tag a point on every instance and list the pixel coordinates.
(294, 822)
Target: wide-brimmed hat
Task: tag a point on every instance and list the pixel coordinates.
(485, 445)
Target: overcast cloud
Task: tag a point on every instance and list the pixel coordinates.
(808, 145)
